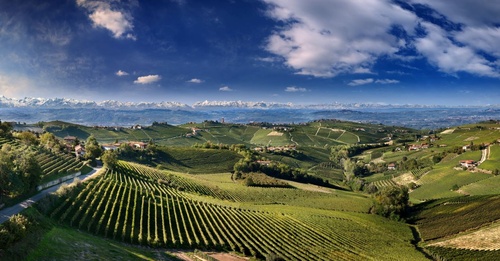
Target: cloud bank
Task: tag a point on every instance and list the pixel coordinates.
(325, 38)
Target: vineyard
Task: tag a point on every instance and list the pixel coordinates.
(384, 183)
(56, 164)
(446, 217)
(140, 205)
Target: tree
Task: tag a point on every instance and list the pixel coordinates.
(92, 148)
(110, 159)
(5, 129)
(50, 142)
(125, 150)
(28, 138)
(28, 168)
(391, 202)
(249, 182)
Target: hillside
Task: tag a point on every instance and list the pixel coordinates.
(195, 197)
(130, 205)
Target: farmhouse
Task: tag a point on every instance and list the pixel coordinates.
(418, 146)
(79, 151)
(391, 166)
(414, 147)
(138, 145)
(468, 163)
(111, 146)
(264, 162)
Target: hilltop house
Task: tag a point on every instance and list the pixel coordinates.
(468, 163)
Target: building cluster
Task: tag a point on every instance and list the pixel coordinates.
(275, 148)
(73, 145)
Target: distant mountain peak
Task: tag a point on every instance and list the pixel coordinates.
(60, 103)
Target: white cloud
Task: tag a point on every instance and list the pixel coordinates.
(450, 57)
(225, 89)
(463, 50)
(361, 70)
(358, 82)
(148, 79)
(295, 89)
(121, 73)
(386, 81)
(102, 15)
(195, 80)
(326, 38)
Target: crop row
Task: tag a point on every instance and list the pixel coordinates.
(121, 206)
(384, 183)
(417, 173)
(454, 216)
(174, 181)
(54, 163)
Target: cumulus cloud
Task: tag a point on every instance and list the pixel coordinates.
(225, 89)
(358, 82)
(387, 81)
(195, 80)
(102, 15)
(121, 73)
(326, 38)
(450, 57)
(295, 89)
(148, 79)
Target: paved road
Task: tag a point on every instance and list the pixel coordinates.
(6, 213)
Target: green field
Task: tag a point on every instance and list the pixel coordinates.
(194, 160)
(438, 182)
(493, 161)
(130, 205)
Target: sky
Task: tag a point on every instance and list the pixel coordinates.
(431, 52)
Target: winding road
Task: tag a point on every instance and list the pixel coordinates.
(6, 213)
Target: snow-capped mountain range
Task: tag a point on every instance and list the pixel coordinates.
(61, 103)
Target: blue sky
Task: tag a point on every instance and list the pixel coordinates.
(305, 52)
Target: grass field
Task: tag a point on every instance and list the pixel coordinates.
(493, 161)
(262, 137)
